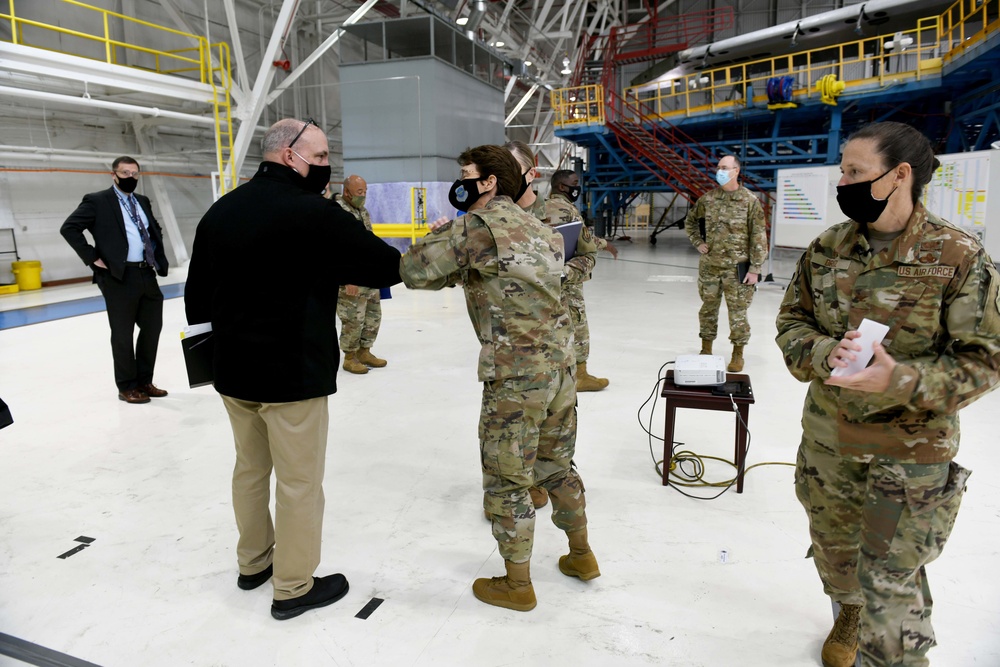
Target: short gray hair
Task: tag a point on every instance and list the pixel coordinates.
(280, 134)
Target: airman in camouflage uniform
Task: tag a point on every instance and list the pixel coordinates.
(727, 227)
(510, 266)
(559, 210)
(875, 470)
(359, 308)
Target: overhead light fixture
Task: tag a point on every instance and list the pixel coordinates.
(498, 44)
(527, 63)
(566, 69)
(704, 80)
(462, 20)
(795, 35)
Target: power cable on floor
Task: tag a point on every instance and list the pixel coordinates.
(687, 469)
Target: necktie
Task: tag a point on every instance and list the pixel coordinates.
(147, 243)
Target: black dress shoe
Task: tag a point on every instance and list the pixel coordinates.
(133, 396)
(325, 590)
(248, 582)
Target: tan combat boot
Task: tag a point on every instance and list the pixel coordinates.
(366, 357)
(841, 646)
(706, 346)
(736, 364)
(587, 382)
(539, 496)
(513, 591)
(580, 562)
(352, 365)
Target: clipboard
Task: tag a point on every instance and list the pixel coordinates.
(198, 346)
(571, 234)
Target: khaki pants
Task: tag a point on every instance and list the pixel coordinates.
(291, 439)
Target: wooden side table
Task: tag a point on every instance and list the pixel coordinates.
(702, 398)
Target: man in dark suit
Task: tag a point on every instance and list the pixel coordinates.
(275, 350)
(125, 258)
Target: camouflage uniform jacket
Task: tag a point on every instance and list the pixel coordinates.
(538, 208)
(558, 211)
(360, 213)
(936, 289)
(735, 230)
(510, 266)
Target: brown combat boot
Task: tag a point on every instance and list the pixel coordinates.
(841, 646)
(366, 357)
(587, 382)
(736, 363)
(706, 346)
(513, 591)
(581, 561)
(539, 496)
(352, 365)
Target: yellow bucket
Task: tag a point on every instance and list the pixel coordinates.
(27, 274)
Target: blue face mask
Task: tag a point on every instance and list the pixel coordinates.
(722, 176)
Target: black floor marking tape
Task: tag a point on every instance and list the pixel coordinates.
(33, 654)
(369, 608)
(72, 551)
(84, 539)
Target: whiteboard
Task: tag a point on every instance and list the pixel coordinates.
(807, 204)
(959, 192)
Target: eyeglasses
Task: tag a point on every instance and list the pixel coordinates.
(309, 122)
(127, 174)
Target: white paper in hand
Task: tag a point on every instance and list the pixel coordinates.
(871, 332)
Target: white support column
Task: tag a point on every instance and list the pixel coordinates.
(242, 77)
(318, 53)
(162, 199)
(510, 87)
(257, 98)
(520, 105)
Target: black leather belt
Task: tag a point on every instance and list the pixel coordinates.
(139, 265)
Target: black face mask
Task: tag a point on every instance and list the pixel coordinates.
(128, 185)
(317, 179)
(464, 193)
(524, 187)
(857, 202)
(573, 193)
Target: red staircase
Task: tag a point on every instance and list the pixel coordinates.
(663, 149)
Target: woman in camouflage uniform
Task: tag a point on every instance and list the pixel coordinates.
(875, 468)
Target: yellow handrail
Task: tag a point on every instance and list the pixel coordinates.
(582, 105)
(864, 65)
(172, 58)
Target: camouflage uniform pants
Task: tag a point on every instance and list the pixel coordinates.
(527, 435)
(573, 300)
(360, 318)
(874, 526)
(713, 283)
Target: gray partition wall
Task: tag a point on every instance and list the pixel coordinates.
(413, 97)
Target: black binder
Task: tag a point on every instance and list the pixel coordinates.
(199, 352)
(571, 235)
(5, 417)
(742, 269)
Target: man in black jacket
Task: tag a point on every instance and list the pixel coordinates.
(126, 256)
(276, 352)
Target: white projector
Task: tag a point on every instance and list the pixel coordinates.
(699, 369)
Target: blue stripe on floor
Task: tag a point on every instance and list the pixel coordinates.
(10, 319)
